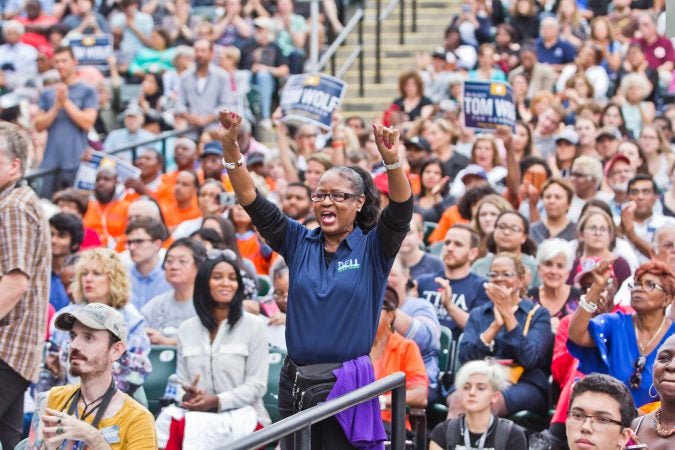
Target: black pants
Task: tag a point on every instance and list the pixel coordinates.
(12, 387)
(326, 435)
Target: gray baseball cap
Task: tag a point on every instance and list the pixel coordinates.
(96, 316)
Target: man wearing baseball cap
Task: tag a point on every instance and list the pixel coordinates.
(93, 414)
(618, 172)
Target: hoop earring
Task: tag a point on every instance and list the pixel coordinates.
(655, 394)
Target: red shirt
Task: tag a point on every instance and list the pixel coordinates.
(657, 53)
(36, 39)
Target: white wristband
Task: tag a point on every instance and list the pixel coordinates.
(490, 345)
(393, 166)
(587, 306)
(234, 165)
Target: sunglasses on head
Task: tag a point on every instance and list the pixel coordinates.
(226, 254)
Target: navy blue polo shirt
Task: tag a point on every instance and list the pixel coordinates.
(333, 311)
(562, 52)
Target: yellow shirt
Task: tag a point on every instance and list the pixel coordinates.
(135, 424)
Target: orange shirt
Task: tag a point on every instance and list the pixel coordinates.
(173, 215)
(401, 355)
(108, 221)
(250, 247)
(450, 217)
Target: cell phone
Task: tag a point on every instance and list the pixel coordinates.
(537, 179)
(227, 199)
(269, 307)
(466, 8)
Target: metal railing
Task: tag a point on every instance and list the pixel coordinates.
(381, 17)
(356, 21)
(34, 176)
(300, 423)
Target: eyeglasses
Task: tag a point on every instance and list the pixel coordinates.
(226, 254)
(278, 295)
(636, 377)
(131, 242)
(599, 423)
(597, 230)
(512, 228)
(493, 275)
(579, 175)
(647, 286)
(182, 262)
(637, 192)
(335, 197)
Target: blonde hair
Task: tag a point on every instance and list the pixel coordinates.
(498, 201)
(111, 266)
(495, 373)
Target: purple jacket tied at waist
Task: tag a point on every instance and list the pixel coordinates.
(362, 423)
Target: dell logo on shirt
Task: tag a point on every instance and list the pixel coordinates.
(349, 264)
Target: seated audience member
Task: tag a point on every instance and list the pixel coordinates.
(75, 202)
(208, 202)
(586, 177)
(554, 261)
(142, 207)
(251, 245)
(487, 210)
(510, 328)
(660, 434)
(597, 238)
(416, 319)
(434, 197)
(132, 133)
(73, 416)
(238, 377)
(462, 211)
(624, 345)
(609, 406)
(510, 235)
(144, 241)
(478, 384)
(638, 218)
(185, 157)
(275, 305)
(149, 182)
(165, 312)
(184, 205)
(417, 260)
(454, 291)
(296, 202)
(392, 353)
(107, 211)
(67, 233)
(100, 277)
(556, 197)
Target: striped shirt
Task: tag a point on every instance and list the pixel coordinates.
(25, 245)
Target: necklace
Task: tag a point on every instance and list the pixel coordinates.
(659, 429)
(637, 336)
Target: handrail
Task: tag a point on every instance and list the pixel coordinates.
(300, 423)
(381, 16)
(337, 42)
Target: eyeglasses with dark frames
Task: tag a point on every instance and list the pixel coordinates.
(335, 196)
(599, 423)
(647, 286)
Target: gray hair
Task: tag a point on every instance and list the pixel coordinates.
(279, 269)
(495, 373)
(590, 166)
(13, 25)
(550, 248)
(184, 50)
(635, 79)
(660, 232)
(350, 175)
(15, 143)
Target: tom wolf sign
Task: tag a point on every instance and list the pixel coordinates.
(488, 104)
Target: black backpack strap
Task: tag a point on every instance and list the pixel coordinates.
(502, 433)
(453, 433)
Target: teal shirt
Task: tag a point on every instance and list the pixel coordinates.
(151, 60)
(284, 38)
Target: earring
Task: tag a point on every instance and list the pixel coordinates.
(655, 394)
(358, 210)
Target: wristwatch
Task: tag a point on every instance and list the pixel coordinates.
(392, 166)
(234, 165)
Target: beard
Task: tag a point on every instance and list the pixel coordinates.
(454, 262)
(619, 187)
(86, 367)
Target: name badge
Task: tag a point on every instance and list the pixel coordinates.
(111, 434)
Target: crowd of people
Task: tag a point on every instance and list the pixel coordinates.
(546, 252)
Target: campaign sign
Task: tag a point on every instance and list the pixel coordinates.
(488, 104)
(92, 50)
(312, 98)
(86, 174)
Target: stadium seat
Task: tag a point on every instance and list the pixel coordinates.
(264, 285)
(445, 354)
(435, 248)
(429, 228)
(271, 398)
(163, 359)
(439, 411)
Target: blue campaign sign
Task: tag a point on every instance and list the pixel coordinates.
(92, 50)
(312, 98)
(488, 104)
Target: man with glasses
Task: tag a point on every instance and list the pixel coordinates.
(638, 220)
(586, 178)
(455, 291)
(144, 241)
(600, 414)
